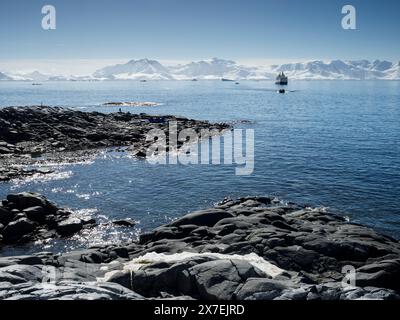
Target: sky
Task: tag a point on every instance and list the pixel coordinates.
(98, 32)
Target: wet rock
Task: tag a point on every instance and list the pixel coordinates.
(28, 199)
(15, 230)
(203, 218)
(69, 227)
(37, 214)
(124, 223)
(5, 216)
(88, 222)
(26, 217)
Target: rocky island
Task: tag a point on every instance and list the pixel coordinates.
(28, 134)
(253, 248)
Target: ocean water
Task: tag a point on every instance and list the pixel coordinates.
(324, 143)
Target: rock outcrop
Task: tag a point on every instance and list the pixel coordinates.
(250, 248)
(30, 132)
(27, 217)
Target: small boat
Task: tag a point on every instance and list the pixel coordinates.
(281, 79)
(224, 79)
(281, 91)
(194, 79)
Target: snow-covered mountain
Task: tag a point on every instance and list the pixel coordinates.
(394, 72)
(36, 76)
(143, 69)
(32, 76)
(215, 68)
(219, 68)
(3, 76)
(340, 70)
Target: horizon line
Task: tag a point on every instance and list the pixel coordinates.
(56, 66)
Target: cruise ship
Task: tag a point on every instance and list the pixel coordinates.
(281, 79)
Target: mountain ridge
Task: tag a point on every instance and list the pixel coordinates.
(216, 68)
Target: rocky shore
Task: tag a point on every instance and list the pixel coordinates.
(28, 217)
(250, 248)
(29, 133)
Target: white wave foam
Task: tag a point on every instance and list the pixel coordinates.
(40, 178)
(321, 209)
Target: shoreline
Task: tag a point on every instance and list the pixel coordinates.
(60, 134)
(250, 248)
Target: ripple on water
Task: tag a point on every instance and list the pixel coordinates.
(39, 178)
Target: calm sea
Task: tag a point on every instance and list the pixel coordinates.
(325, 143)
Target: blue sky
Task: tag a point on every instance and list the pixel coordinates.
(188, 29)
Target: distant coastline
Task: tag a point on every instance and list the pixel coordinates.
(217, 69)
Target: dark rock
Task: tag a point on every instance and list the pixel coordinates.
(282, 225)
(124, 223)
(51, 221)
(4, 150)
(16, 229)
(203, 218)
(88, 222)
(39, 219)
(19, 215)
(383, 274)
(260, 289)
(342, 249)
(27, 199)
(94, 257)
(218, 280)
(121, 252)
(69, 227)
(5, 216)
(24, 260)
(296, 258)
(36, 214)
(20, 274)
